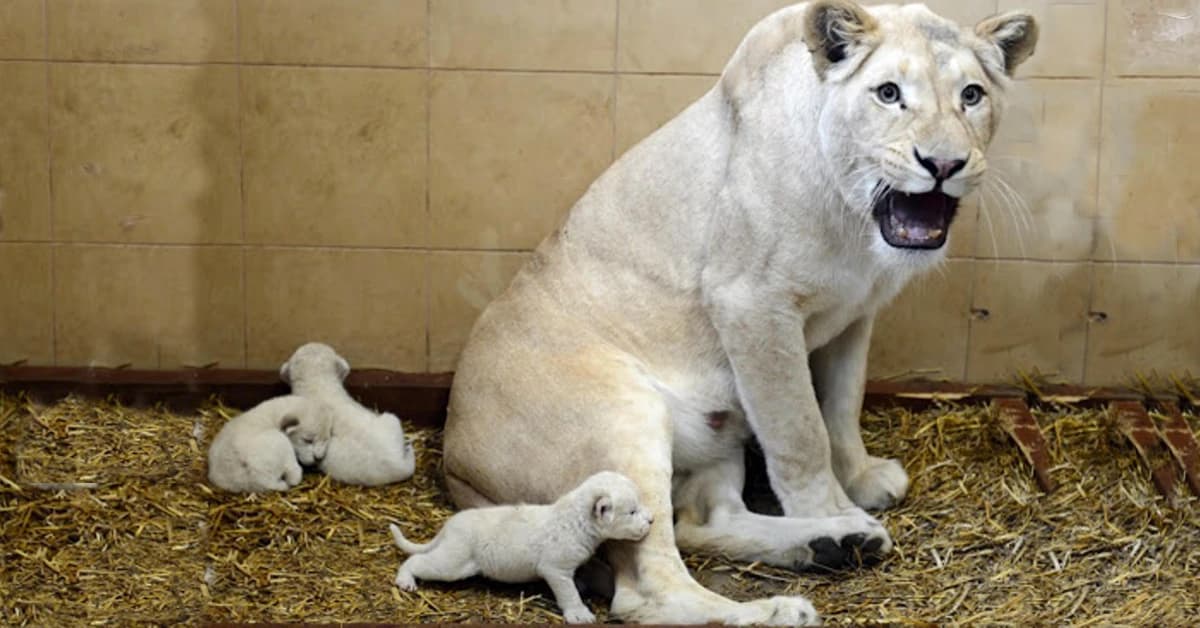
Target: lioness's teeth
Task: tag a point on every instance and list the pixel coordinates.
(936, 233)
(902, 232)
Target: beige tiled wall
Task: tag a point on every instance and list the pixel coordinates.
(201, 182)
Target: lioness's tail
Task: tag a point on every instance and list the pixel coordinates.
(408, 546)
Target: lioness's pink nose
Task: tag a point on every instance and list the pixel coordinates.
(940, 169)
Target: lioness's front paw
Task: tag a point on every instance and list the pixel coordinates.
(880, 484)
(578, 616)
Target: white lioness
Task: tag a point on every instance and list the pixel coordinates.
(525, 542)
(724, 274)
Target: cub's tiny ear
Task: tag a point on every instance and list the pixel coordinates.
(289, 424)
(343, 367)
(285, 372)
(602, 509)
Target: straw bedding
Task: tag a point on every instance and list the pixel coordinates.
(106, 517)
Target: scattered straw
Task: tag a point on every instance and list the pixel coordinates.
(976, 542)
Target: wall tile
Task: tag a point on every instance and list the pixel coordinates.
(1150, 183)
(524, 34)
(368, 304)
(334, 32)
(685, 36)
(1072, 37)
(510, 153)
(24, 169)
(461, 285)
(149, 306)
(646, 102)
(923, 333)
(27, 318)
(142, 30)
(145, 153)
(1150, 323)
(22, 30)
(699, 36)
(1037, 319)
(1153, 38)
(334, 156)
(1041, 196)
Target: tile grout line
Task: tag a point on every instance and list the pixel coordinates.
(966, 367)
(237, 51)
(616, 76)
(428, 274)
(1091, 299)
(446, 251)
(50, 183)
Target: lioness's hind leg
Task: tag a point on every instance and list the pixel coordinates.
(652, 583)
(840, 376)
(713, 519)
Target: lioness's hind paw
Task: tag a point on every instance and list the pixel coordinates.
(788, 611)
(864, 543)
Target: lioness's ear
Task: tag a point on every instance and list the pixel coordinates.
(285, 372)
(602, 509)
(1015, 33)
(835, 30)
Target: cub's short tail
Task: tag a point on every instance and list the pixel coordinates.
(404, 544)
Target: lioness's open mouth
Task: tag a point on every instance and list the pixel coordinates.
(915, 221)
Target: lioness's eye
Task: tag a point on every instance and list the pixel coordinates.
(972, 94)
(888, 93)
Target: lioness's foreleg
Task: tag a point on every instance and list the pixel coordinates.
(839, 376)
(763, 336)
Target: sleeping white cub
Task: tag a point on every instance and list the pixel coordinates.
(257, 450)
(367, 448)
(526, 542)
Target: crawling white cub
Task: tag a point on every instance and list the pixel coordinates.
(368, 449)
(257, 450)
(526, 542)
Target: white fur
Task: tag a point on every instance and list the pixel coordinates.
(257, 450)
(730, 263)
(368, 449)
(527, 542)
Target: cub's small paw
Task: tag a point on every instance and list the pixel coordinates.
(406, 582)
(881, 484)
(579, 616)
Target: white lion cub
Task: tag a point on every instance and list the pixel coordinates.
(368, 449)
(526, 542)
(257, 450)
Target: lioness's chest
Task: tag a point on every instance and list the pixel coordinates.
(846, 299)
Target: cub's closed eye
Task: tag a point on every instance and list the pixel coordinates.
(972, 95)
(888, 93)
